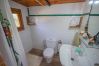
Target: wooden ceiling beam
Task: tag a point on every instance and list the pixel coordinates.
(39, 2)
(29, 3)
(65, 1)
(48, 3)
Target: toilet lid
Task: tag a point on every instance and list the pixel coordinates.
(48, 52)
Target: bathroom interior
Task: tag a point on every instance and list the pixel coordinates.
(49, 33)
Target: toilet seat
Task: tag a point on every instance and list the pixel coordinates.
(48, 52)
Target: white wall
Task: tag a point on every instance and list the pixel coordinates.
(54, 26)
(25, 34)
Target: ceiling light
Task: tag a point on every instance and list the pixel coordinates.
(96, 2)
(90, 2)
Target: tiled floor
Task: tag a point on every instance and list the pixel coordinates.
(55, 61)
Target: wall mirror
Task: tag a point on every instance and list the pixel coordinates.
(18, 18)
(93, 24)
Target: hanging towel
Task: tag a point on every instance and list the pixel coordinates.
(76, 41)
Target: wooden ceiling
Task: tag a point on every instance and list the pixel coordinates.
(29, 3)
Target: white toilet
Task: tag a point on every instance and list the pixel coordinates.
(50, 49)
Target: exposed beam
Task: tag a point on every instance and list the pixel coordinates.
(29, 3)
(39, 2)
(48, 3)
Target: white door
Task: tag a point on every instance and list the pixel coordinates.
(5, 49)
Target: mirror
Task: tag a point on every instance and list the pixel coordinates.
(93, 25)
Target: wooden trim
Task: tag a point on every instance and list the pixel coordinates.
(77, 26)
(29, 22)
(18, 11)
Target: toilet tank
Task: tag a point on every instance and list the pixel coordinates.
(51, 43)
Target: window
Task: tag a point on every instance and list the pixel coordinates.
(18, 18)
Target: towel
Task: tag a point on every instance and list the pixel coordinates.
(76, 41)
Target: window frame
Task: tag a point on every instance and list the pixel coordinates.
(18, 12)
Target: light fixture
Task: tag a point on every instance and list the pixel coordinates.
(96, 2)
(90, 2)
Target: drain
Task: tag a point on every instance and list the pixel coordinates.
(72, 59)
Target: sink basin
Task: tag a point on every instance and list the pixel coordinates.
(89, 58)
(66, 53)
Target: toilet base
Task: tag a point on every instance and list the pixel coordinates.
(48, 60)
(48, 54)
